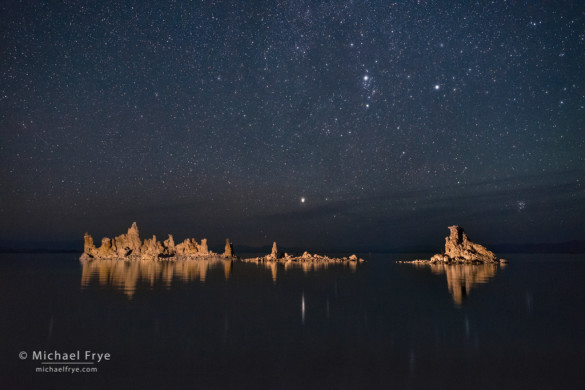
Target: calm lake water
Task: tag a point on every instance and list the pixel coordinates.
(233, 325)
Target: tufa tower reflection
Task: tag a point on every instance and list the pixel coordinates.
(125, 275)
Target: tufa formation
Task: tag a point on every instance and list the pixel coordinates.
(129, 246)
(277, 257)
(460, 250)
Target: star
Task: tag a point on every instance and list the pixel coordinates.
(303, 98)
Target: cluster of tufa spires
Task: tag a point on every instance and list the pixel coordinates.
(278, 257)
(460, 250)
(129, 246)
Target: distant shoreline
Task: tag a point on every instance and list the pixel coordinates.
(47, 251)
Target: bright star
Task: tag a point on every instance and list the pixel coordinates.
(437, 86)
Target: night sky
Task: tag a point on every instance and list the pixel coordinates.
(350, 125)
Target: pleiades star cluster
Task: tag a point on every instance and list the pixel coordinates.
(325, 124)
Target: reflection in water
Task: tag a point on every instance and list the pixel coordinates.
(461, 278)
(308, 266)
(125, 274)
(303, 308)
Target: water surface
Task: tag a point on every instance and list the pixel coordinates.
(217, 324)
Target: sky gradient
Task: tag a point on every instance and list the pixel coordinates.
(350, 125)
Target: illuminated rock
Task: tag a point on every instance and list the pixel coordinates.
(306, 257)
(151, 248)
(189, 247)
(129, 246)
(88, 245)
(229, 248)
(107, 250)
(274, 254)
(203, 247)
(459, 250)
(126, 244)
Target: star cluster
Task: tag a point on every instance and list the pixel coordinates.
(353, 124)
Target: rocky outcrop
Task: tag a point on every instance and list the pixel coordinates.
(88, 245)
(169, 245)
(151, 248)
(229, 248)
(129, 246)
(126, 244)
(203, 250)
(189, 247)
(460, 250)
(306, 257)
(108, 249)
(274, 255)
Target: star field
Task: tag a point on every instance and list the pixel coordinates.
(350, 125)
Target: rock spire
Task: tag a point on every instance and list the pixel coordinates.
(130, 246)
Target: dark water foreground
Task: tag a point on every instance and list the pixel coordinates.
(224, 325)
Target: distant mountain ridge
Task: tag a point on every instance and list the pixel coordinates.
(575, 246)
(40, 246)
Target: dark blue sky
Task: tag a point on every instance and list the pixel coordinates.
(340, 124)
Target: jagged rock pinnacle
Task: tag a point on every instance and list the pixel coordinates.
(459, 249)
(229, 248)
(130, 246)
